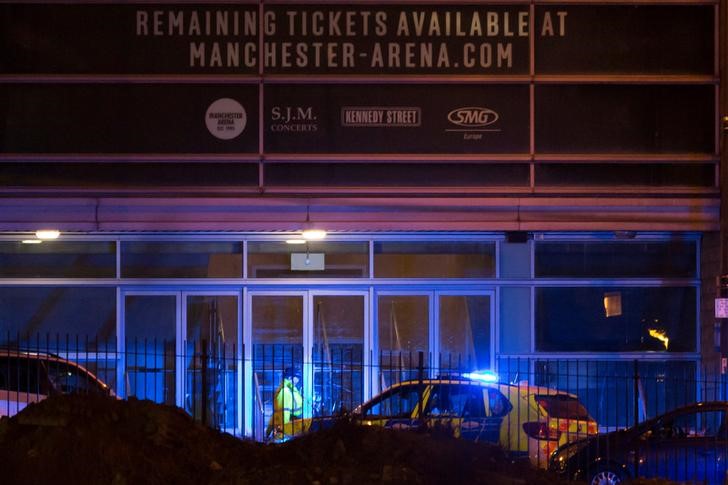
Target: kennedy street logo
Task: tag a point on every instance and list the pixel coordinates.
(472, 121)
(381, 116)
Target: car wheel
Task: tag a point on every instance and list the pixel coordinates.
(607, 476)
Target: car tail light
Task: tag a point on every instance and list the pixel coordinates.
(541, 431)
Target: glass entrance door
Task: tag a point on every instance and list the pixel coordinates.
(183, 349)
(210, 358)
(338, 356)
(319, 334)
(277, 321)
(150, 347)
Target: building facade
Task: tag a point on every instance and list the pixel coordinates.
(531, 187)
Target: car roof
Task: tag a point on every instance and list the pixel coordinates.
(703, 405)
(505, 388)
(26, 354)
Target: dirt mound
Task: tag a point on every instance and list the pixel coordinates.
(100, 440)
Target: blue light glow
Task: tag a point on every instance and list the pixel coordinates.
(482, 375)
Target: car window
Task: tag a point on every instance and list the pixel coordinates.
(562, 406)
(700, 424)
(455, 400)
(69, 379)
(498, 404)
(22, 375)
(395, 403)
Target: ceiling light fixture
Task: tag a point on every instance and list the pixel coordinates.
(46, 234)
(31, 241)
(311, 233)
(295, 241)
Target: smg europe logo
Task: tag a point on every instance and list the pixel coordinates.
(473, 121)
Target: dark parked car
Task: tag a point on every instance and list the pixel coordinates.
(28, 377)
(687, 444)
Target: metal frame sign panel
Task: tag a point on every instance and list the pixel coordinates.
(354, 39)
(129, 118)
(400, 118)
(128, 39)
(628, 39)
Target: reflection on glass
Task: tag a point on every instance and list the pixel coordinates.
(434, 259)
(150, 347)
(649, 319)
(210, 359)
(59, 319)
(277, 322)
(403, 330)
(200, 259)
(607, 388)
(338, 344)
(272, 259)
(464, 332)
(58, 259)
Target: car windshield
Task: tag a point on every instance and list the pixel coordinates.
(69, 379)
(395, 403)
(562, 406)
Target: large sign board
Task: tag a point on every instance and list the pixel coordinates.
(349, 78)
(129, 118)
(628, 39)
(336, 39)
(399, 118)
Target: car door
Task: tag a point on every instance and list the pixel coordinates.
(22, 382)
(396, 408)
(689, 446)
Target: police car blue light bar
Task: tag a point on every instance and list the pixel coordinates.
(482, 375)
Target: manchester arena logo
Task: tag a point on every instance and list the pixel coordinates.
(226, 119)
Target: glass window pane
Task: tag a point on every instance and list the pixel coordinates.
(434, 259)
(203, 259)
(607, 388)
(59, 319)
(272, 259)
(464, 332)
(150, 326)
(338, 346)
(626, 174)
(616, 319)
(123, 175)
(397, 403)
(395, 175)
(211, 360)
(277, 322)
(651, 259)
(403, 331)
(643, 118)
(58, 259)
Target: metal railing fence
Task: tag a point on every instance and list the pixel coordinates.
(534, 406)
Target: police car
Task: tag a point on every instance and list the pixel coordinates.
(527, 421)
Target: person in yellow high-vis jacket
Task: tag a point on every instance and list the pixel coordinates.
(287, 406)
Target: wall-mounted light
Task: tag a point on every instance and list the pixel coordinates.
(295, 241)
(47, 234)
(31, 241)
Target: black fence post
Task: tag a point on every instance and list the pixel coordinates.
(203, 378)
(636, 412)
(420, 378)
